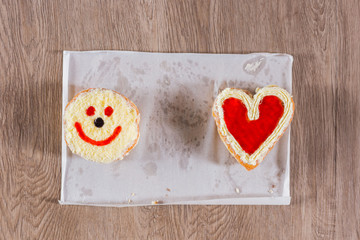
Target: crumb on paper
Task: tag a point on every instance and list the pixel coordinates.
(273, 186)
(168, 189)
(130, 200)
(237, 190)
(166, 195)
(155, 202)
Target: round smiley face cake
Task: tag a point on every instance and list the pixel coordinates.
(101, 125)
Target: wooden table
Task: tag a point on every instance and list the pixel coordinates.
(323, 37)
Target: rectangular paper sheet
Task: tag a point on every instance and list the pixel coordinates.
(180, 158)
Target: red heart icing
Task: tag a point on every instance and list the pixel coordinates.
(251, 134)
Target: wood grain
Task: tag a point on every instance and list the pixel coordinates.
(323, 36)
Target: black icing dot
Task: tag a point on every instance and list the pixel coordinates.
(99, 122)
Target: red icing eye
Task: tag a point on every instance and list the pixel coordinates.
(90, 111)
(108, 111)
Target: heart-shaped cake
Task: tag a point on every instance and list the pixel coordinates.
(250, 125)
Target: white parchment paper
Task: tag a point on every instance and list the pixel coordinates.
(180, 158)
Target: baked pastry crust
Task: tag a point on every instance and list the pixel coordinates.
(252, 104)
(128, 119)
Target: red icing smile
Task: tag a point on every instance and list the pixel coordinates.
(108, 140)
(251, 134)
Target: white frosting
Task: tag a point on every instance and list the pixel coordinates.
(252, 67)
(252, 104)
(125, 115)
